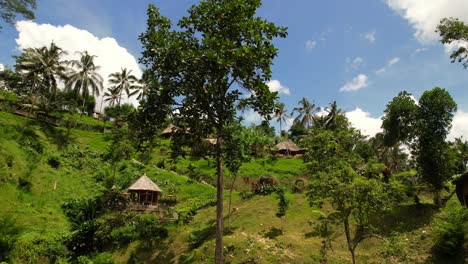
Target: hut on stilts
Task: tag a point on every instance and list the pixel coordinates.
(144, 192)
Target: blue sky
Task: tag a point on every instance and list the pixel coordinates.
(370, 50)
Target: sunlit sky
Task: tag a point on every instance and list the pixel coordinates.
(360, 53)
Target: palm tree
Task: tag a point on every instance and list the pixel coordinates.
(332, 118)
(281, 114)
(43, 64)
(112, 96)
(142, 90)
(306, 112)
(83, 76)
(124, 81)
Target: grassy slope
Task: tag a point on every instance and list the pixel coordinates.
(254, 237)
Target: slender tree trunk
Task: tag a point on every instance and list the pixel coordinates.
(230, 201)
(438, 199)
(219, 259)
(348, 238)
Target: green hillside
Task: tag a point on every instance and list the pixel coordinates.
(39, 175)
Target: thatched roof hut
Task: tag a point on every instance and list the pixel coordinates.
(287, 148)
(167, 132)
(144, 191)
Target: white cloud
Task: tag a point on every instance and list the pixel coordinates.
(393, 61)
(2, 67)
(310, 44)
(355, 84)
(459, 125)
(252, 117)
(276, 86)
(425, 15)
(380, 71)
(370, 36)
(363, 121)
(110, 55)
(354, 64)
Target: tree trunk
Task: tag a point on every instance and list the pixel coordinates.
(438, 199)
(230, 201)
(348, 238)
(219, 259)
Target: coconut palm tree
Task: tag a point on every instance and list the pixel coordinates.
(333, 116)
(44, 64)
(143, 90)
(306, 112)
(281, 114)
(112, 96)
(83, 77)
(124, 81)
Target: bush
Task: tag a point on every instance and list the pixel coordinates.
(8, 235)
(39, 248)
(450, 227)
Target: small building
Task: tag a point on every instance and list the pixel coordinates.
(169, 130)
(144, 191)
(287, 148)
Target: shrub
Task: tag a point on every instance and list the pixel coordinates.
(8, 236)
(124, 235)
(39, 247)
(450, 227)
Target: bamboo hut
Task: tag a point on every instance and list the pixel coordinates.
(169, 130)
(287, 148)
(144, 191)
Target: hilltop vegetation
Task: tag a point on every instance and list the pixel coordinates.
(231, 193)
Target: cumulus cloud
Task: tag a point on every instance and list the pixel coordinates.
(2, 67)
(276, 86)
(363, 121)
(310, 44)
(393, 61)
(425, 15)
(355, 84)
(111, 57)
(459, 125)
(370, 36)
(252, 117)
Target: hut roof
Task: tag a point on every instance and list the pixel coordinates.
(212, 141)
(286, 145)
(144, 184)
(169, 129)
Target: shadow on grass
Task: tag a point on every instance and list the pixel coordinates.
(405, 218)
(161, 253)
(273, 233)
(438, 258)
(57, 136)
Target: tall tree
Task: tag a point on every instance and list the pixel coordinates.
(453, 30)
(112, 96)
(203, 69)
(435, 114)
(9, 9)
(43, 65)
(83, 76)
(280, 114)
(425, 127)
(399, 120)
(305, 112)
(124, 81)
